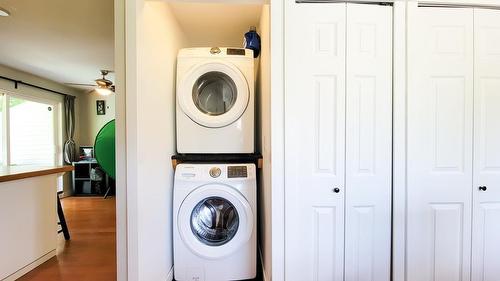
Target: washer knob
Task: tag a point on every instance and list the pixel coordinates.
(215, 50)
(215, 172)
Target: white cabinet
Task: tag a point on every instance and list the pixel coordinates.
(338, 124)
(453, 132)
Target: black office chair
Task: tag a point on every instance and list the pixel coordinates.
(62, 220)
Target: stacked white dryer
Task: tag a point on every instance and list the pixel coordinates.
(215, 101)
(215, 204)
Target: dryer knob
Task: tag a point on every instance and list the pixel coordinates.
(215, 172)
(215, 50)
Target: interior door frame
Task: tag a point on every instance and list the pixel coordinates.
(399, 142)
(121, 151)
(277, 16)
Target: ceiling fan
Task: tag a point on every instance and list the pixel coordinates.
(102, 85)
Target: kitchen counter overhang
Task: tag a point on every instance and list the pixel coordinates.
(10, 173)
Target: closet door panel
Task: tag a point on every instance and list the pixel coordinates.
(486, 220)
(314, 141)
(368, 142)
(439, 133)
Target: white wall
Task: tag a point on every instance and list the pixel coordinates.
(36, 93)
(209, 24)
(264, 144)
(153, 39)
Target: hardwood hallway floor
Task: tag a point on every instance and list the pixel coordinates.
(91, 253)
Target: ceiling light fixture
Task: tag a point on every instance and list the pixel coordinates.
(4, 13)
(103, 91)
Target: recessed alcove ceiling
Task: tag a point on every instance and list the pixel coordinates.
(208, 24)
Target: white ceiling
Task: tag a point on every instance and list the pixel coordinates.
(216, 24)
(61, 40)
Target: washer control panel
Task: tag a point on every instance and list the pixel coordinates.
(215, 172)
(237, 172)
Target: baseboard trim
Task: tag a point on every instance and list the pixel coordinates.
(170, 275)
(29, 267)
(264, 277)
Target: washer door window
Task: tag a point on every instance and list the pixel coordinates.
(214, 221)
(213, 94)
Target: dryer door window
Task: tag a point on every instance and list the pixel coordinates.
(214, 221)
(214, 93)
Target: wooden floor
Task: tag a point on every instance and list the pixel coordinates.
(91, 253)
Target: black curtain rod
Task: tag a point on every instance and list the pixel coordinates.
(17, 82)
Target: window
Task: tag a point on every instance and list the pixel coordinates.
(30, 130)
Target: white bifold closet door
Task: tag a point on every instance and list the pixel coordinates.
(486, 211)
(440, 114)
(368, 164)
(338, 116)
(314, 141)
(453, 199)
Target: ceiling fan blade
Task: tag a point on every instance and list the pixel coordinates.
(79, 84)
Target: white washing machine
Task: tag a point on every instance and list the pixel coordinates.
(215, 221)
(215, 100)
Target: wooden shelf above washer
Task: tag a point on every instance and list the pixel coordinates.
(255, 158)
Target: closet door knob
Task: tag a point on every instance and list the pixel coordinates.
(336, 190)
(483, 188)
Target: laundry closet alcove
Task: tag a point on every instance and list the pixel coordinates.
(156, 31)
